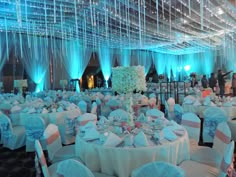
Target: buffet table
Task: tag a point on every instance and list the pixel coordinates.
(121, 161)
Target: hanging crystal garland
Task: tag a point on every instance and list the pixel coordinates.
(139, 22)
(106, 23)
(26, 21)
(85, 31)
(76, 20)
(170, 19)
(45, 20)
(6, 33)
(18, 12)
(128, 23)
(144, 21)
(54, 11)
(157, 15)
(21, 47)
(201, 14)
(120, 26)
(189, 8)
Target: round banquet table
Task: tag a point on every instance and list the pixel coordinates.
(121, 161)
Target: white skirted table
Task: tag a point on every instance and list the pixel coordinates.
(199, 109)
(121, 161)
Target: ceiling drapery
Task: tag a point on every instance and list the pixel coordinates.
(174, 27)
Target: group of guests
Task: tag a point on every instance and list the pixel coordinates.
(212, 82)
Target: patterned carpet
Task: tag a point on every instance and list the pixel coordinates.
(16, 163)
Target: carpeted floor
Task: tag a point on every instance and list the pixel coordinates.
(16, 163)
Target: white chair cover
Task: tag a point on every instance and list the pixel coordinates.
(85, 118)
(192, 124)
(54, 147)
(212, 156)
(212, 117)
(94, 108)
(178, 111)
(73, 168)
(227, 165)
(34, 131)
(154, 113)
(83, 106)
(12, 137)
(171, 103)
(119, 115)
(158, 169)
(47, 171)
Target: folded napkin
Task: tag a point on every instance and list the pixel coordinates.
(102, 120)
(90, 125)
(112, 140)
(129, 140)
(227, 104)
(168, 134)
(159, 135)
(15, 109)
(60, 109)
(91, 134)
(207, 101)
(142, 118)
(31, 110)
(197, 103)
(44, 111)
(140, 140)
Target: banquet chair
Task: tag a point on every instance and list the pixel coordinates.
(192, 124)
(57, 152)
(83, 106)
(73, 168)
(119, 114)
(41, 160)
(158, 169)
(197, 169)
(232, 126)
(212, 156)
(154, 113)
(212, 117)
(34, 130)
(84, 119)
(94, 108)
(169, 108)
(178, 112)
(12, 137)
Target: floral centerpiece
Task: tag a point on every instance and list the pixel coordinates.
(126, 80)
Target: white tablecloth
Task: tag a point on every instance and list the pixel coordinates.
(231, 110)
(120, 161)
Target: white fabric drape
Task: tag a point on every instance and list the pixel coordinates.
(124, 57)
(106, 61)
(144, 59)
(3, 49)
(75, 59)
(35, 59)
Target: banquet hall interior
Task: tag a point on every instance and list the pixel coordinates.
(117, 88)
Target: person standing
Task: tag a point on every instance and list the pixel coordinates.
(221, 81)
(212, 82)
(234, 84)
(204, 81)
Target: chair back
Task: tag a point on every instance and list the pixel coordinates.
(212, 117)
(83, 106)
(94, 108)
(192, 124)
(171, 103)
(119, 115)
(178, 112)
(84, 119)
(53, 140)
(154, 113)
(35, 127)
(41, 159)
(6, 127)
(222, 137)
(227, 166)
(73, 168)
(158, 169)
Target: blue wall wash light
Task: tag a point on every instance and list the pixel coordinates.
(106, 61)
